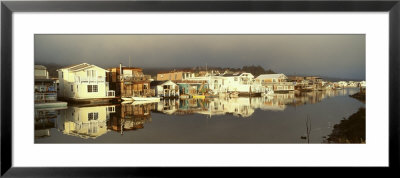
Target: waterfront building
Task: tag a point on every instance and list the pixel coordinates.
(296, 79)
(352, 84)
(362, 84)
(342, 84)
(314, 79)
(277, 82)
(165, 88)
(129, 82)
(84, 82)
(240, 82)
(195, 86)
(45, 89)
(176, 75)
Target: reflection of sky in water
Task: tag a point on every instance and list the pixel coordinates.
(276, 119)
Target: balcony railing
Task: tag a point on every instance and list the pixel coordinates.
(130, 78)
(90, 79)
(277, 83)
(45, 97)
(145, 92)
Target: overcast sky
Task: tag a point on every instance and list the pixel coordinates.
(340, 56)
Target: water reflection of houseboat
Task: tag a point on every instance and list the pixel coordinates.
(129, 117)
(85, 121)
(167, 106)
(44, 121)
(242, 106)
(268, 103)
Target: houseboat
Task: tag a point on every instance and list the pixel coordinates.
(45, 90)
(84, 83)
(128, 82)
(279, 83)
(165, 89)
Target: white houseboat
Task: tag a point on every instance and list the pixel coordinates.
(84, 82)
(165, 89)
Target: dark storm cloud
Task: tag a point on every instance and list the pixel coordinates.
(326, 55)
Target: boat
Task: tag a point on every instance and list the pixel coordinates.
(199, 96)
(210, 96)
(146, 98)
(307, 89)
(127, 98)
(127, 102)
(52, 105)
(184, 96)
(131, 99)
(234, 95)
(268, 92)
(143, 102)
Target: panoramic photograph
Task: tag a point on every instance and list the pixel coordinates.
(200, 88)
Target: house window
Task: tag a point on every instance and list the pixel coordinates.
(72, 87)
(92, 88)
(91, 73)
(62, 74)
(93, 116)
(111, 109)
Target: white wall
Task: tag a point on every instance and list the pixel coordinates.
(80, 89)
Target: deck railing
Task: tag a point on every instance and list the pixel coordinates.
(145, 92)
(277, 83)
(45, 97)
(98, 79)
(135, 78)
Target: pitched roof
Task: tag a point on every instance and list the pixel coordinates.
(231, 75)
(265, 76)
(79, 67)
(40, 67)
(155, 83)
(173, 71)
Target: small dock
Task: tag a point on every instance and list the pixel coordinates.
(57, 104)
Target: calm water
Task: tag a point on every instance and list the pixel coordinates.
(277, 119)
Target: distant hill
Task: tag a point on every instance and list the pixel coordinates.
(255, 70)
(332, 79)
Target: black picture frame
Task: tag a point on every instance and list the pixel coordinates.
(8, 7)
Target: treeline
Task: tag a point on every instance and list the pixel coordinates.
(255, 70)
